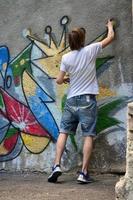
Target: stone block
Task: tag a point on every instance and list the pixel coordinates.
(130, 125)
(130, 108)
(130, 136)
(130, 146)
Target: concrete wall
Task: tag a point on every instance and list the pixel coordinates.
(31, 103)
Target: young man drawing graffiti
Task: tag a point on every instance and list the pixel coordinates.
(81, 105)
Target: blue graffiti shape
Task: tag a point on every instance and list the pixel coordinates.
(43, 106)
(4, 60)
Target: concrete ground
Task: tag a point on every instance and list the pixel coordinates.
(34, 186)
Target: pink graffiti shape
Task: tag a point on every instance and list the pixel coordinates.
(21, 117)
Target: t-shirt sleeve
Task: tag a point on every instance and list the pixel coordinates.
(95, 49)
(63, 66)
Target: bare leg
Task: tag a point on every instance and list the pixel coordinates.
(87, 150)
(61, 142)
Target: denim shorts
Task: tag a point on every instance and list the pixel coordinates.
(80, 110)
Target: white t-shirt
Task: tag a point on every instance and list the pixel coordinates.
(80, 65)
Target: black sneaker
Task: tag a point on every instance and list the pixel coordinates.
(56, 172)
(84, 178)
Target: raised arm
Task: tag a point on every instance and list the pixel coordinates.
(110, 35)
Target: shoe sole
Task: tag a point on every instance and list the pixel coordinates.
(82, 182)
(54, 177)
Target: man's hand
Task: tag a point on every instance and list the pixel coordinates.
(66, 80)
(60, 77)
(110, 23)
(110, 35)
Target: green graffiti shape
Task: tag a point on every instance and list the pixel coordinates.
(11, 132)
(104, 120)
(101, 61)
(1, 101)
(21, 63)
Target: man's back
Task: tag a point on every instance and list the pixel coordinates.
(80, 65)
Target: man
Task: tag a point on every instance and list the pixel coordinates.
(81, 105)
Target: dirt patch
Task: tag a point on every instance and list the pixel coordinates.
(34, 186)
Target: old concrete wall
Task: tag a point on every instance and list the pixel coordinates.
(30, 101)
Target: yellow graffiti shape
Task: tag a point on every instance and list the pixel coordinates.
(105, 92)
(3, 150)
(4, 66)
(51, 63)
(35, 144)
(29, 85)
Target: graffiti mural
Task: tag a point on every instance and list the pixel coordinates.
(31, 102)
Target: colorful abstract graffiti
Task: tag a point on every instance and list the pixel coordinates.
(30, 101)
